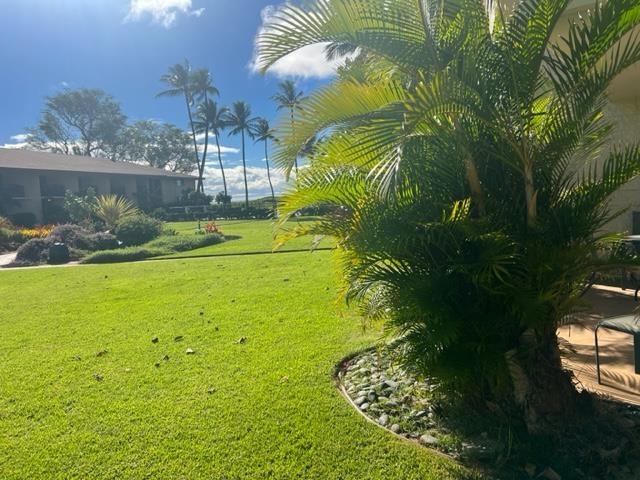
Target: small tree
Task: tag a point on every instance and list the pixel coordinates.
(80, 208)
(466, 168)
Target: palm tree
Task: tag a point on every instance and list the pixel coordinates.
(239, 120)
(202, 87)
(179, 79)
(468, 177)
(262, 133)
(211, 119)
(289, 97)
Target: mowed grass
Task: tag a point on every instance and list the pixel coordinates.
(81, 396)
(255, 236)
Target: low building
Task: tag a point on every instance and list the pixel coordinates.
(35, 182)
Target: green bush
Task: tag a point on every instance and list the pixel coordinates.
(164, 245)
(80, 208)
(138, 229)
(9, 239)
(78, 237)
(129, 254)
(182, 243)
(34, 252)
(5, 223)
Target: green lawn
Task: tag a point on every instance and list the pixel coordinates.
(256, 236)
(81, 396)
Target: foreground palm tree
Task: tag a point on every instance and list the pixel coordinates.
(263, 133)
(239, 120)
(211, 119)
(290, 98)
(464, 161)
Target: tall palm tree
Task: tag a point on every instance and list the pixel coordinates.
(263, 133)
(290, 98)
(468, 177)
(211, 119)
(202, 87)
(178, 78)
(239, 120)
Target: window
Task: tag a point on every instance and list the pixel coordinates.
(14, 190)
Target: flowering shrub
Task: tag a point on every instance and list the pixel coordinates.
(211, 227)
(35, 232)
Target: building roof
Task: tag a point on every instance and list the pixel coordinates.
(30, 160)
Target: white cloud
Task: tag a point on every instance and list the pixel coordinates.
(19, 145)
(19, 141)
(212, 150)
(20, 137)
(163, 12)
(307, 62)
(257, 182)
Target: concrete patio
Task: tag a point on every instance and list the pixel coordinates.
(619, 380)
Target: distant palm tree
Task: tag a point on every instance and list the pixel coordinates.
(289, 97)
(240, 121)
(211, 119)
(202, 87)
(179, 79)
(262, 133)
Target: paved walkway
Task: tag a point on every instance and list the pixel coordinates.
(7, 258)
(619, 380)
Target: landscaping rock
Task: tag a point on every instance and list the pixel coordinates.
(360, 400)
(190, 351)
(429, 440)
(395, 428)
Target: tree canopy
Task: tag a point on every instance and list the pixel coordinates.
(80, 122)
(160, 145)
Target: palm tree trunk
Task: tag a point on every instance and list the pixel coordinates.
(541, 387)
(530, 195)
(224, 179)
(471, 172)
(206, 145)
(295, 160)
(244, 169)
(266, 158)
(199, 186)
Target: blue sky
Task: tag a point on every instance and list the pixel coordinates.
(124, 46)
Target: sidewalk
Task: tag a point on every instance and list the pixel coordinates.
(7, 258)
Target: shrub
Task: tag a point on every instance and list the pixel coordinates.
(69, 233)
(9, 239)
(164, 245)
(112, 209)
(78, 237)
(130, 254)
(159, 213)
(183, 243)
(138, 229)
(98, 241)
(34, 252)
(35, 232)
(5, 223)
(211, 227)
(80, 209)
